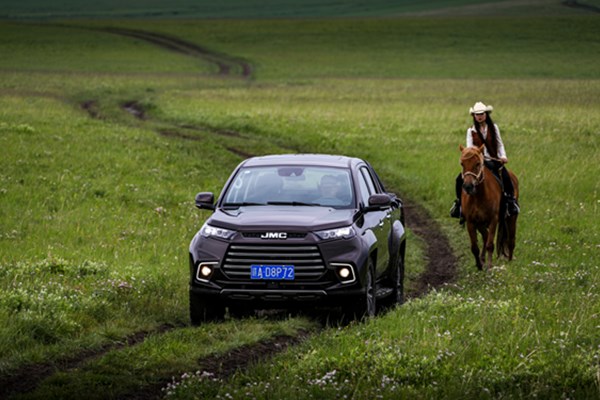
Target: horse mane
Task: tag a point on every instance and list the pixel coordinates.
(470, 152)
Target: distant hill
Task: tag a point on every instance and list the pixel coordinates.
(255, 9)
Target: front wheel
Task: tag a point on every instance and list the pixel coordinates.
(365, 305)
(205, 310)
(398, 278)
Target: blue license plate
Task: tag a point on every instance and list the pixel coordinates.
(272, 272)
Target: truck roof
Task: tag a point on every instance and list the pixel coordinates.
(302, 159)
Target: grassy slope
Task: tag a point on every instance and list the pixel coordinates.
(406, 48)
(106, 203)
(244, 9)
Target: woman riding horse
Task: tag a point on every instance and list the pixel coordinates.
(485, 132)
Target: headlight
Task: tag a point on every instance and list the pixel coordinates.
(212, 231)
(338, 233)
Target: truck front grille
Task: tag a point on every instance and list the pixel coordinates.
(306, 259)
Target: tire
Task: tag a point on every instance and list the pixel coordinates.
(365, 305)
(204, 310)
(397, 276)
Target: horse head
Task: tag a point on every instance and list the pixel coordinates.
(471, 161)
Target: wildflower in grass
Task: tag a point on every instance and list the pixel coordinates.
(385, 380)
(125, 285)
(537, 263)
(187, 380)
(328, 378)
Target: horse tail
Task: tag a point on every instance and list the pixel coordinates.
(502, 248)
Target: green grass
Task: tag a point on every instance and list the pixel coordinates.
(40, 10)
(462, 48)
(159, 359)
(53, 48)
(96, 213)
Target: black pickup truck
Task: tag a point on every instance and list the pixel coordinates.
(297, 231)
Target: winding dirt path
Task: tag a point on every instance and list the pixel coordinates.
(581, 6)
(227, 65)
(441, 261)
(29, 377)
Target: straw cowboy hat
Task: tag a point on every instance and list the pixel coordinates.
(479, 108)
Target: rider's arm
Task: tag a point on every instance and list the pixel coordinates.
(469, 138)
(501, 150)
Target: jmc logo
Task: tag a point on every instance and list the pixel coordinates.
(274, 235)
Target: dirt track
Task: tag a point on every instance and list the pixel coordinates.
(226, 65)
(440, 268)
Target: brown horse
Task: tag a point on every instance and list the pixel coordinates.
(483, 210)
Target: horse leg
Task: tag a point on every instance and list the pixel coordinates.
(512, 221)
(474, 248)
(484, 236)
(512, 235)
(489, 243)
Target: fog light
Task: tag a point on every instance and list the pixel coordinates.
(205, 271)
(345, 272)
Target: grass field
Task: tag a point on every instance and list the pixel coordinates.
(240, 9)
(96, 211)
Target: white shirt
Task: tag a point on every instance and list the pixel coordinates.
(501, 151)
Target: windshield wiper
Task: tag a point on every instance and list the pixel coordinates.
(291, 203)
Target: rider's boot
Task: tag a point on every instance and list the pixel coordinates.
(455, 211)
(512, 206)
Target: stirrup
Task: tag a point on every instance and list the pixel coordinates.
(455, 210)
(512, 207)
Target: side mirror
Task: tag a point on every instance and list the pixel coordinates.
(396, 202)
(205, 200)
(379, 201)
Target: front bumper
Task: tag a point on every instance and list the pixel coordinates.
(274, 298)
(230, 283)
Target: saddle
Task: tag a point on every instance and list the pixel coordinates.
(496, 168)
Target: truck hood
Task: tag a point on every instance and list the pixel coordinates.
(299, 218)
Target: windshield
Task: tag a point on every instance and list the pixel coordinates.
(293, 185)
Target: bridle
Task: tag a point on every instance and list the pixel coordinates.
(480, 176)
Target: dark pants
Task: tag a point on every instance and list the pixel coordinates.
(496, 168)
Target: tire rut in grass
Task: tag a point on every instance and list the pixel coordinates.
(227, 65)
(183, 131)
(441, 262)
(28, 378)
(173, 131)
(581, 6)
(223, 366)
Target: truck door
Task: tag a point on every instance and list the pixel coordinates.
(378, 221)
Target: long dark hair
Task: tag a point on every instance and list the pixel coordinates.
(492, 142)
